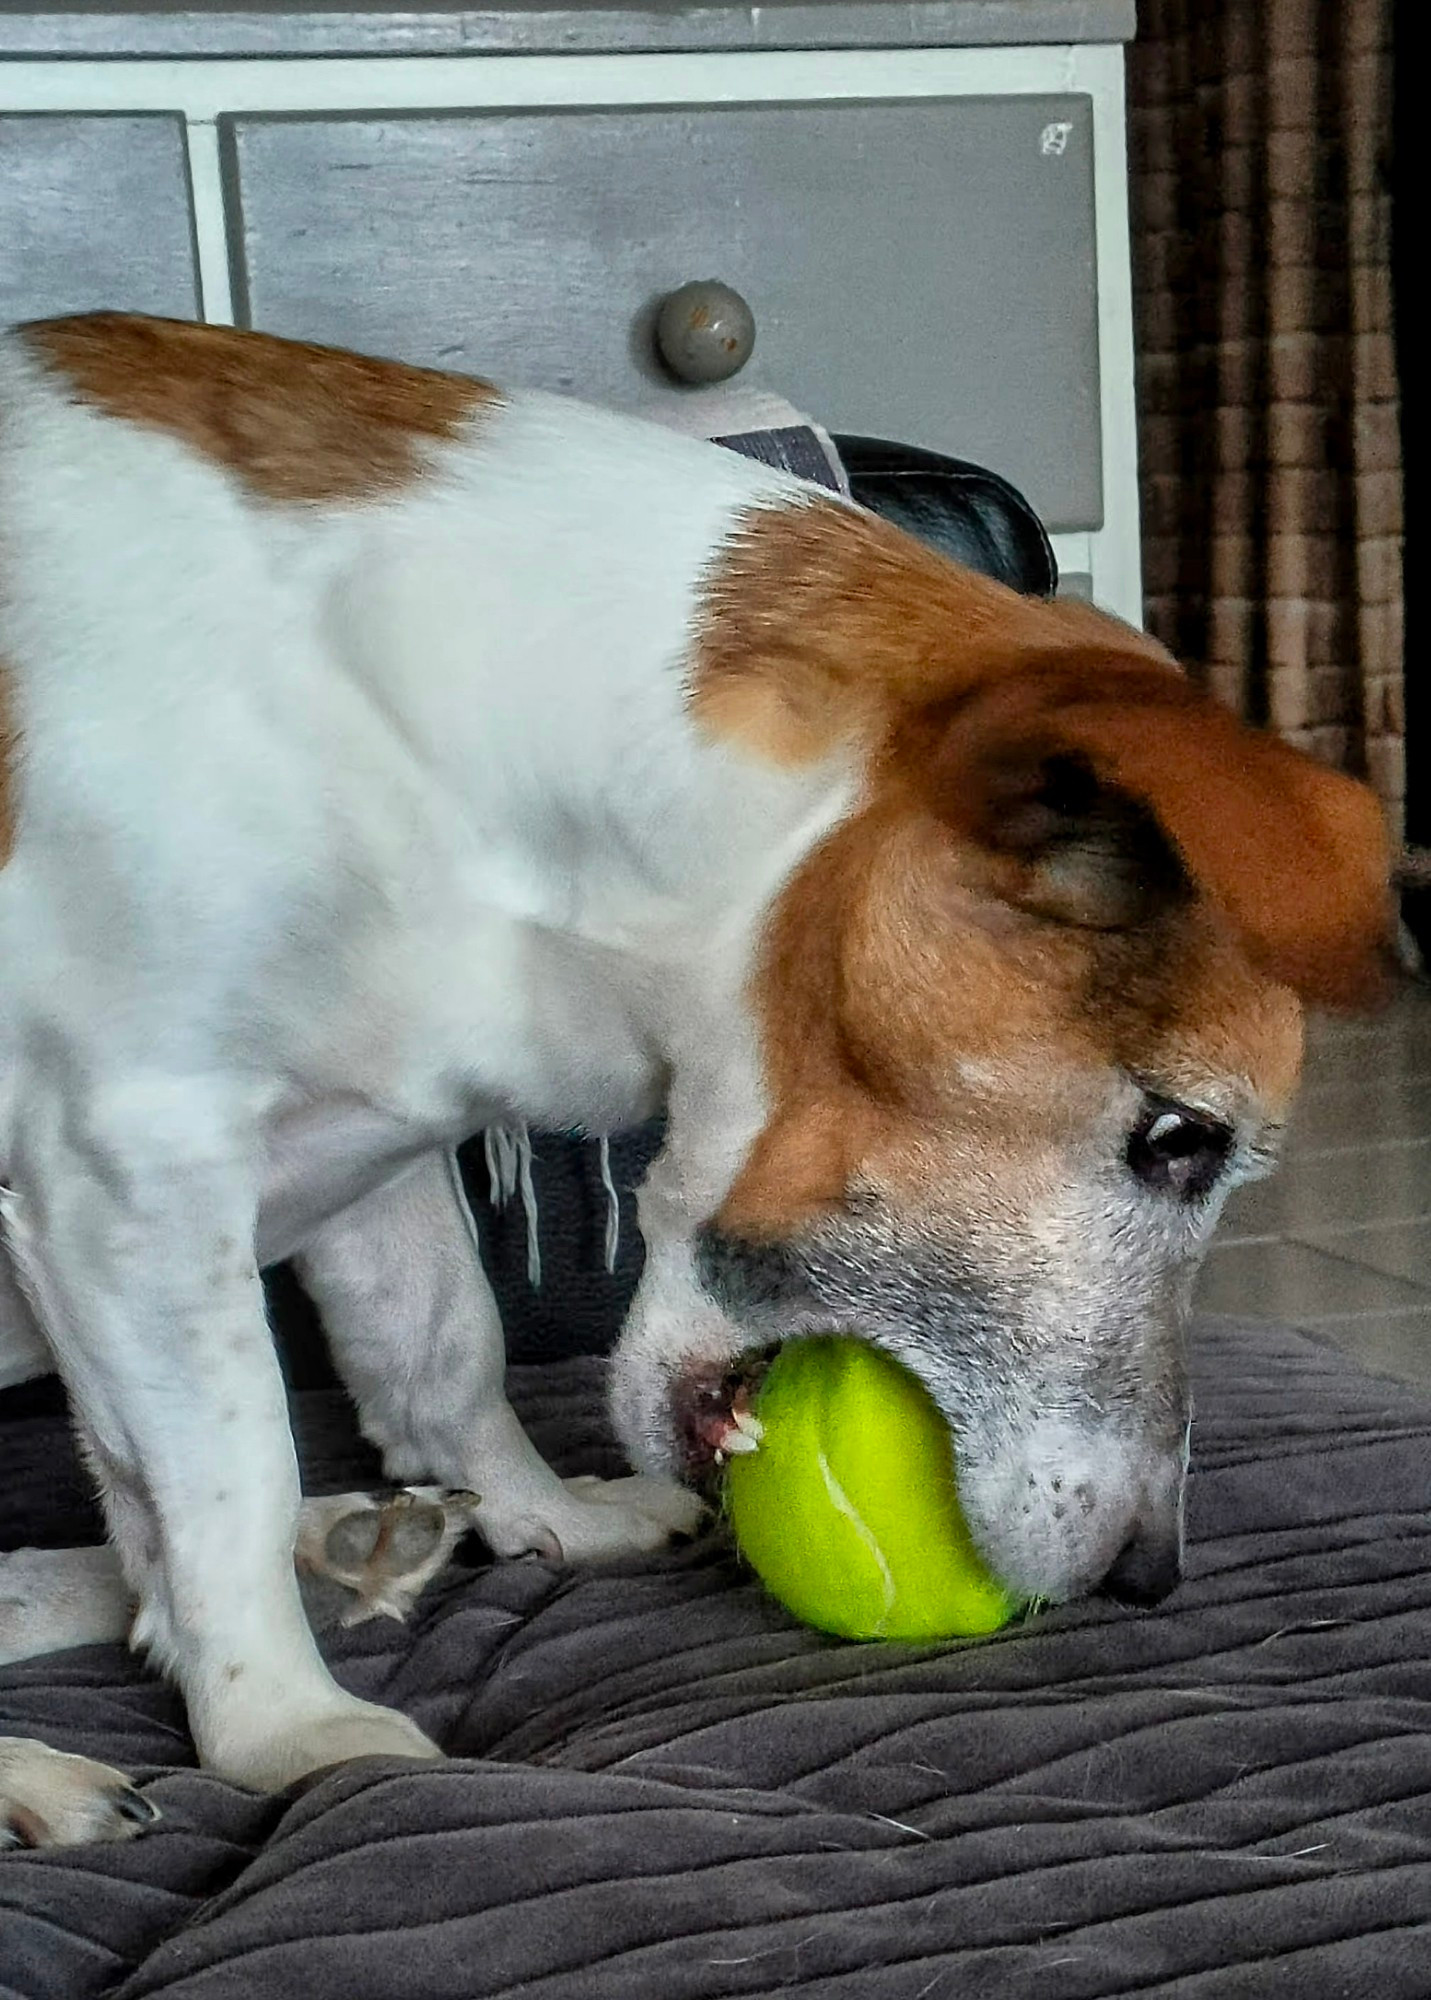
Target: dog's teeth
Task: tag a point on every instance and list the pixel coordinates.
(720, 1456)
(738, 1442)
(749, 1426)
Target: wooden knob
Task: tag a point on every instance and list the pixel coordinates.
(705, 332)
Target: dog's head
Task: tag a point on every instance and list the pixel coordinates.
(1022, 1020)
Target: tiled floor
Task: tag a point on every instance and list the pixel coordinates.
(1339, 1241)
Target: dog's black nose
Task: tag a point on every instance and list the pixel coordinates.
(1147, 1569)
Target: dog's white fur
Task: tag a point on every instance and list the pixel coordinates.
(292, 907)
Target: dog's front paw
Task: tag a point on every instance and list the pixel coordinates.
(51, 1799)
(266, 1759)
(592, 1520)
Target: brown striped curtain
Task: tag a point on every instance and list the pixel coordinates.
(1260, 135)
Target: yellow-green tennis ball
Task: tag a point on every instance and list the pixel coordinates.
(848, 1511)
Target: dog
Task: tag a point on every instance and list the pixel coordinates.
(386, 756)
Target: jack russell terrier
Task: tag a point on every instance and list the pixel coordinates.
(383, 756)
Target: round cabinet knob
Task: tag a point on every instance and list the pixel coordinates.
(705, 332)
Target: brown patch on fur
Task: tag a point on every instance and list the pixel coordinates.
(924, 1039)
(821, 621)
(9, 747)
(827, 628)
(293, 421)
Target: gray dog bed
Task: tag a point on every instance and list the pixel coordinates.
(664, 1790)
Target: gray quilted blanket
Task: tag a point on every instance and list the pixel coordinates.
(660, 1788)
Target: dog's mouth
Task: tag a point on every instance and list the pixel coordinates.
(713, 1415)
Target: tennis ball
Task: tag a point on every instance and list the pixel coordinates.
(848, 1511)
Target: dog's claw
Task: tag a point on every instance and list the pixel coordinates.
(131, 1804)
(546, 1543)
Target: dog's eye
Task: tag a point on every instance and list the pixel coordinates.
(1176, 1151)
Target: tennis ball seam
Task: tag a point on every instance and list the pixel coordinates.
(844, 1505)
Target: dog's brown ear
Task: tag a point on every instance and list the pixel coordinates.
(1090, 771)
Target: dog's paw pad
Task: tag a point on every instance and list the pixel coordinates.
(360, 1557)
(393, 1540)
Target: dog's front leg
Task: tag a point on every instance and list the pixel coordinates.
(131, 1222)
(416, 1334)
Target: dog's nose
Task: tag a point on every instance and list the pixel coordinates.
(1147, 1568)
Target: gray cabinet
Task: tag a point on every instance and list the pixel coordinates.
(920, 270)
(923, 202)
(94, 211)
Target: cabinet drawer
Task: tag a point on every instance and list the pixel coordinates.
(922, 270)
(94, 211)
